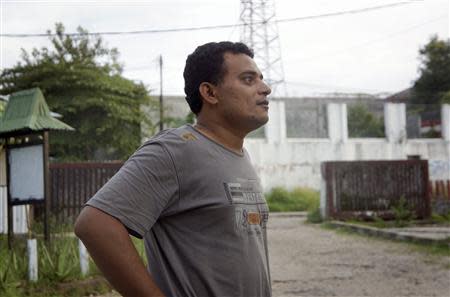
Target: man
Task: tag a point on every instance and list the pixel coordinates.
(191, 193)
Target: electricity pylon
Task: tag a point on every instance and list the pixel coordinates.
(260, 32)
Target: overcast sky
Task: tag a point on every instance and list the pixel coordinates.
(371, 52)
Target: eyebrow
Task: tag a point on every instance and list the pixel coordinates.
(254, 73)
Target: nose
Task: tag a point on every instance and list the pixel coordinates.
(265, 89)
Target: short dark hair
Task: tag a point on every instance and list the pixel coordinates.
(205, 65)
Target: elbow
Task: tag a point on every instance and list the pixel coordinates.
(81, 224)
(77, 228)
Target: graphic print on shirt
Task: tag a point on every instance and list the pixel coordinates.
(251, 208)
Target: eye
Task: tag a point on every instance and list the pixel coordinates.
(248, 79)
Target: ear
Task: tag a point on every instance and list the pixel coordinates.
(208, 92)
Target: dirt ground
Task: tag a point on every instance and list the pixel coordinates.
(307, 260)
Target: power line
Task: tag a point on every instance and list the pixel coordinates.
(170, 30)
(329, 54)
(372, 41)
(332, 14)
(330, 87)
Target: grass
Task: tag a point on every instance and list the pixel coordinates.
(59, 272)
(299, 199)
(58, 269)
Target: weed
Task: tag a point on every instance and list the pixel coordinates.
(314, 216)
(403, 215)
(299, 199)
(379, 222)
(440, 219)
(139, 245)
(59, 260)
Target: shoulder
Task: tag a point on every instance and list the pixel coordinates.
(173, 140)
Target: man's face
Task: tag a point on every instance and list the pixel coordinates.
(242, 94)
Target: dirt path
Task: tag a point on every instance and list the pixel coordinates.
(307, 260)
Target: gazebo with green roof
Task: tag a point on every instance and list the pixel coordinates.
(27, 112)
(24, 127)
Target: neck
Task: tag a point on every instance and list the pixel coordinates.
(225, 136)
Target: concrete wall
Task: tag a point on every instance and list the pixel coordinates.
(291, 162)
(305, 117)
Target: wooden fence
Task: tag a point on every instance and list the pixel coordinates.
(72, 184)
(365, 188)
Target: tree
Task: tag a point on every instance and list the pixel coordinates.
(434, 81)
(362, 123)
(81, 80)
(173, 122)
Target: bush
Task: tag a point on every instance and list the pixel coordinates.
(12, 267)
(299, 199)
(314, 216)
(59, 260)
(440, 219)
(58, 269)
(403, 215)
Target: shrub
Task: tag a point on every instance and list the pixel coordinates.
(59, 260)
(403, 215)
(12, 267)
(440, 219)
(299, 199)
(314, 216)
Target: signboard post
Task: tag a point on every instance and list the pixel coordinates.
(24, 126)
(27, 175)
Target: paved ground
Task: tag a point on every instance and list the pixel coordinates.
(307, 260)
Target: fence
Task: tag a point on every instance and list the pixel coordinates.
(365, 188)
(72, 184)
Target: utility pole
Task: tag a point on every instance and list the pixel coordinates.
(161, 106)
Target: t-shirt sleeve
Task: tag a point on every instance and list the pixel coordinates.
(145, 188)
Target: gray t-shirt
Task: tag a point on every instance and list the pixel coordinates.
(201, 212)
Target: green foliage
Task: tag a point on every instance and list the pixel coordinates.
(81, 80)
(190, 118)
(12, 267)
(10, 272)
(314, 216)
(299, 199)
(379, 222)
(362, 123)
(402, 214)
(433, 85)
(171, 122)
(59, 261)
(440, 219)
(59, 271)
(139, 245)
(2, 107)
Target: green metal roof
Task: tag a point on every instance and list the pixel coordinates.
(27, 110)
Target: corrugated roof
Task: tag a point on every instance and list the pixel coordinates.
(27, 110)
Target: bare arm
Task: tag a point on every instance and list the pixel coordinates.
(111, 248)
